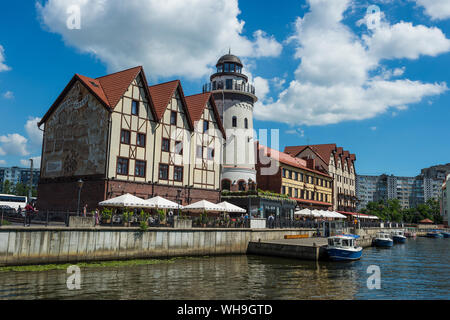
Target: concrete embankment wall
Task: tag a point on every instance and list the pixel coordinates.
(33, 245)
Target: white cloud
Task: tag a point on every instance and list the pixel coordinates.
(167, 37)
(297, 131)
(373, 128)
(36, 162)
(3, 67)
(33, 132)
(403, 40)
(8, 95)
(2, 162)
(13, 144)
(340, 76)
(436, 9)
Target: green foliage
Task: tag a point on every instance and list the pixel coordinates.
(144, 215)
(19, 189)
(127, 215)
(106, 213)
(143, 225)
(391, 211)
(162, 215)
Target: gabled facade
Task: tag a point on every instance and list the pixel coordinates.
(118, 135)
(339, 164)
(296, 178)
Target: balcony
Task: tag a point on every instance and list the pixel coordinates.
(229, 85)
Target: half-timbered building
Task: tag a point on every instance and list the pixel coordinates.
(119, 135)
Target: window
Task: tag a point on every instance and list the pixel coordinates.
(165, 146)
(135, 107)
(229, 84)
(163, 171)
(173, 118)
(302, 194)
(122, 166)
(226, 184)
(295, 175)
(284, 173)
(283, 190)
(199, 152)
(301, 176)
(210, 153)
(296, 193)
(246, 123)
(290, 191)
(125, 136)
(178, 174)
(227, 67)
(139, 169)
(220, 68)
(140, 139)
(205, 126)
(179, 147)
(290, 174)
(234, 121)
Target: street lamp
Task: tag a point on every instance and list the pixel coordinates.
(178, 200)
(80, 185)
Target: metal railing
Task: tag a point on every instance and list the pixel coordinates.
(231, 85)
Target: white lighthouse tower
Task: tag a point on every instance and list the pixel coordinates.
(234, 98)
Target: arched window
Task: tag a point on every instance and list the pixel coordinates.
(234, 122)
(246, 123)
(226, 184)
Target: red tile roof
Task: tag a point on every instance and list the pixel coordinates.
(287, 159)
(116, 84)
(161, 95)
(108, 89)
(198, 102)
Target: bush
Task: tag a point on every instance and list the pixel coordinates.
(143, 226)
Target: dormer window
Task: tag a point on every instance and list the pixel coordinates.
(220, 68)
(246, 123)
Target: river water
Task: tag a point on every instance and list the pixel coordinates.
(418, 269)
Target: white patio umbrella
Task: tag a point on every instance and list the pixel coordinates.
(162, 203)
(338, 215)
(303, 212)
(229, 207)
(203, 205)
(126, 201)
(317, 213)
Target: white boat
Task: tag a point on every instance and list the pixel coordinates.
(383, 239)
(398, 236)
(343, 248)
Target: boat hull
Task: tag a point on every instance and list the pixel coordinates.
(399, 239)
(446, 234)
(434, 235)
(383, 243)
(338, 254)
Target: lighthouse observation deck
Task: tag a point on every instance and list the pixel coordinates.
(231, 85)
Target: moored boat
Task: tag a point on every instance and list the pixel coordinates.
(445, 234)
(434, 234)
(383, 239)
(398, 236)
(343, 248)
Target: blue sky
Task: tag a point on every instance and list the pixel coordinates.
(380, 93)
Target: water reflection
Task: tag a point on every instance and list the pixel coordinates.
(415, 270)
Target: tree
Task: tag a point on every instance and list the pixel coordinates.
(7, 187)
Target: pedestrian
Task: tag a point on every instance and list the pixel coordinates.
(29, 210)
(84, 210)
(97, 217)
(19, 210)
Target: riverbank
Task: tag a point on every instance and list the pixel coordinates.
(58, 245)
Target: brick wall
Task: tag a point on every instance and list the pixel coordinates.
(64, 195)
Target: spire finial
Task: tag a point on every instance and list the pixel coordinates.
(229, 50)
